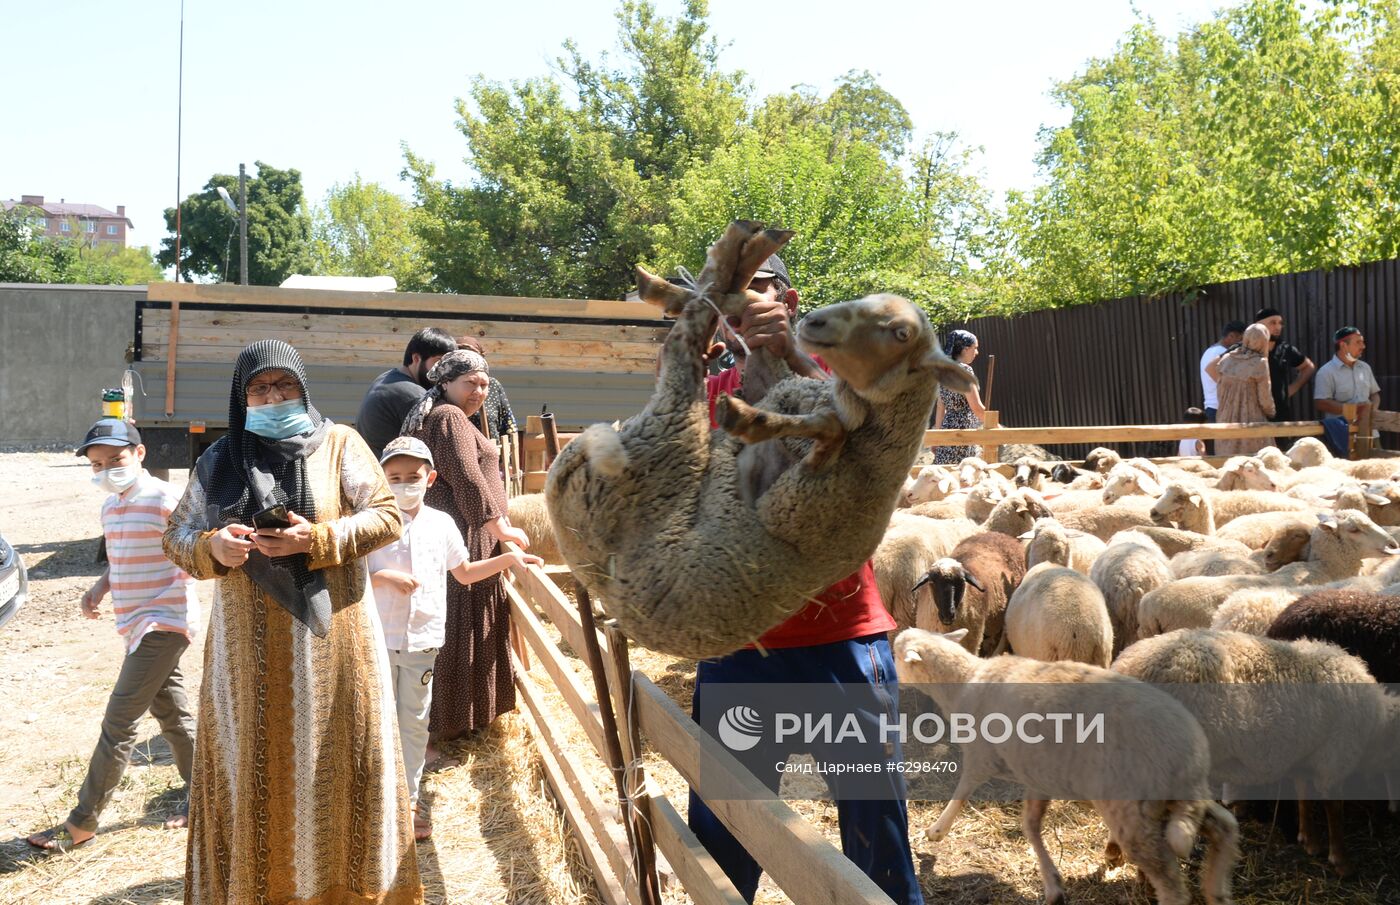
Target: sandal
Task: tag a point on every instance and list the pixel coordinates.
(51, 842)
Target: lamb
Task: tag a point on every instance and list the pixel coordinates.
(1256, 530)
(972, 469)
(1245, 473)
(1105, 521)
(985, 495)
(1204, 511)
(1174, 541)
(1102, 460)
(1029, 473)
(1156, 745)
(1252, 610)
(954, 507)
(1273, 459)
(935, 482)
(1052, 542)
(1337, 546)
(992, 565)
(529, 513)
(1289, 544)
(1058, 614)
(1336, 711)
(697, 541)
(910, 547)
(1308, 451)
(1016, 514)
(1130, 566)
(1125, 480)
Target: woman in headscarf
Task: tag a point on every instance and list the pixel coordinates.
(298, 792)
(472, 680)
(1242, 383)
(954, 410)
(495, 418)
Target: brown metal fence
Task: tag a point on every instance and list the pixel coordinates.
(1136, 360)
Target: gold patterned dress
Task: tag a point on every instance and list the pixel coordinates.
(298, 796)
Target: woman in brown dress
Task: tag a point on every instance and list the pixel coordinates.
(472, 681)
(298, 793)
(1242, 380)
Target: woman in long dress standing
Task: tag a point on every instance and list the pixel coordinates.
(298, 796)
(472, 681)
(954, 410)
(1242, 383)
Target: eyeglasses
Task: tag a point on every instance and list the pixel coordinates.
(286, 387)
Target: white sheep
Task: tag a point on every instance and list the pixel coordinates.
(1253, 610)
(1101, 459)
(1204, 511)
(1105, 521)
(529, 513)
(972, 469)
(953, 507)
(1016, 514)
(1256, 530)
(983, 497)
(1155, 744)
(1051, 542)
(1274, 460)
(1245, 473)
(1288, 544)
(934, 482)
(1058, 614)
(1129, 567)
(1127, 479)
(1335, 709)
(1310, 451)
(1174, 541)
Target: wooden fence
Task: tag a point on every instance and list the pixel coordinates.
(622, 849)
(1136, 360)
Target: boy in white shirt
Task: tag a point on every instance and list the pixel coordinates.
(410, 590)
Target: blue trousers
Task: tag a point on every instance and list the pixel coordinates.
(875, 833)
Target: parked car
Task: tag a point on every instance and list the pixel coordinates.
(14, 582)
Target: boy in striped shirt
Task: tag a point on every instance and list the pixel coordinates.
(156, 610)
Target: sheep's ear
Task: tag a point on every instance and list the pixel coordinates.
(1029, 535)
(956, 635)
(1327, 520)
(928, 577)
(972, 580)
(1327, 495)
(946, 371)
(1375, 499)
(913, 656)
(1194, 499)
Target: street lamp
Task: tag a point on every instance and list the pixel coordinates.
(240, 210)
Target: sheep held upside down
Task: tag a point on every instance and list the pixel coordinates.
(698, 541)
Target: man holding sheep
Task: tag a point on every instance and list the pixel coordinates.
(839, 638)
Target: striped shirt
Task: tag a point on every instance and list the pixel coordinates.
(149, 592)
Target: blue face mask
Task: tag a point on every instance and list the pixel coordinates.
(278, 420)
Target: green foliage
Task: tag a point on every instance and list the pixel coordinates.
(279, 229)
(27, 256)
(365, 230)
(1261, 142)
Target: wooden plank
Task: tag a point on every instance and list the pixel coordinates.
(565, 679)
(1385, 421)
(703, 879)
(808, 868)
(579, 799)
(1120, 434)
(487, 331)
(534, 585)
(347, 356)
(174, 350)
(213, 293)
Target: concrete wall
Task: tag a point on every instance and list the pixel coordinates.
(59, 346)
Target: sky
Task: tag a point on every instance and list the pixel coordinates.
(335, 88)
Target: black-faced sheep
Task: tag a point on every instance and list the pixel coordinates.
(1155, 744)
(910, 547)
(970, 588)
(1058, 614)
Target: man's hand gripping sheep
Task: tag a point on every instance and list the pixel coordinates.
(698, 541)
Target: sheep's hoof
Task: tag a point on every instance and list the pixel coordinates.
(1342, 865)
(1057, 898)
(934, 834)
(1113, 854)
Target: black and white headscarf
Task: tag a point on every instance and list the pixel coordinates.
(956, 341)
(243, 474)
(449, 368)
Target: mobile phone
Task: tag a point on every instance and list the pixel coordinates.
(272, 517)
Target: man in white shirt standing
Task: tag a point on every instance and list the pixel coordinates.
(1346, 379)
(1231, 335)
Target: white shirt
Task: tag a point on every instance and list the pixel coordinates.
(1212, 400)
(430, 546)
(1187, 448)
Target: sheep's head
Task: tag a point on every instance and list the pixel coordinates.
(947, 580)
(1245, 473)
(1030, 474)
(1308, 451)
(1064, 473)
(1173, 505)
(1356, 532)
(877, 344)
(1288, 544)
(1355, 496)
(1126, 480)
(1274, 459)
(1101, 459)
(971, 470)
(935, 482)
(1049, 542)
(933, 659)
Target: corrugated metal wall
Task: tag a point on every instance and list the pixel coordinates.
(1135, 360)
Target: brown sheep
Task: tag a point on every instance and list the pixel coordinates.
(969, 589)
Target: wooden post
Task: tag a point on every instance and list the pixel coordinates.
(1363, 434)
(1349, 413)
(991, 372)
(170, 356)
(551, 439)
(638, 831)
(990, 453)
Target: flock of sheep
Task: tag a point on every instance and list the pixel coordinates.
(1276, 572)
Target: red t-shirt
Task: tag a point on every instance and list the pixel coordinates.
(851, 608)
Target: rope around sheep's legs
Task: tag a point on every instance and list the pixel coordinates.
(638, 832)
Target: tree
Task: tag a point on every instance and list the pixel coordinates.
(567, 196)
(279, 229)
(365, 230)
(27, 256)
(107, 264)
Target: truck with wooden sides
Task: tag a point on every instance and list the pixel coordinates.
(586, 360)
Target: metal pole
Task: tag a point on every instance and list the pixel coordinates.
(242, 225)
(179, 133)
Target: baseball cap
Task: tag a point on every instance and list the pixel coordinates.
(1344, 333)
(110, 432)
(407, 446)
(774, 267)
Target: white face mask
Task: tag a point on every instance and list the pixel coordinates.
(117, 478)
(409, 496)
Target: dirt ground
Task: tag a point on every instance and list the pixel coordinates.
(498, 839)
